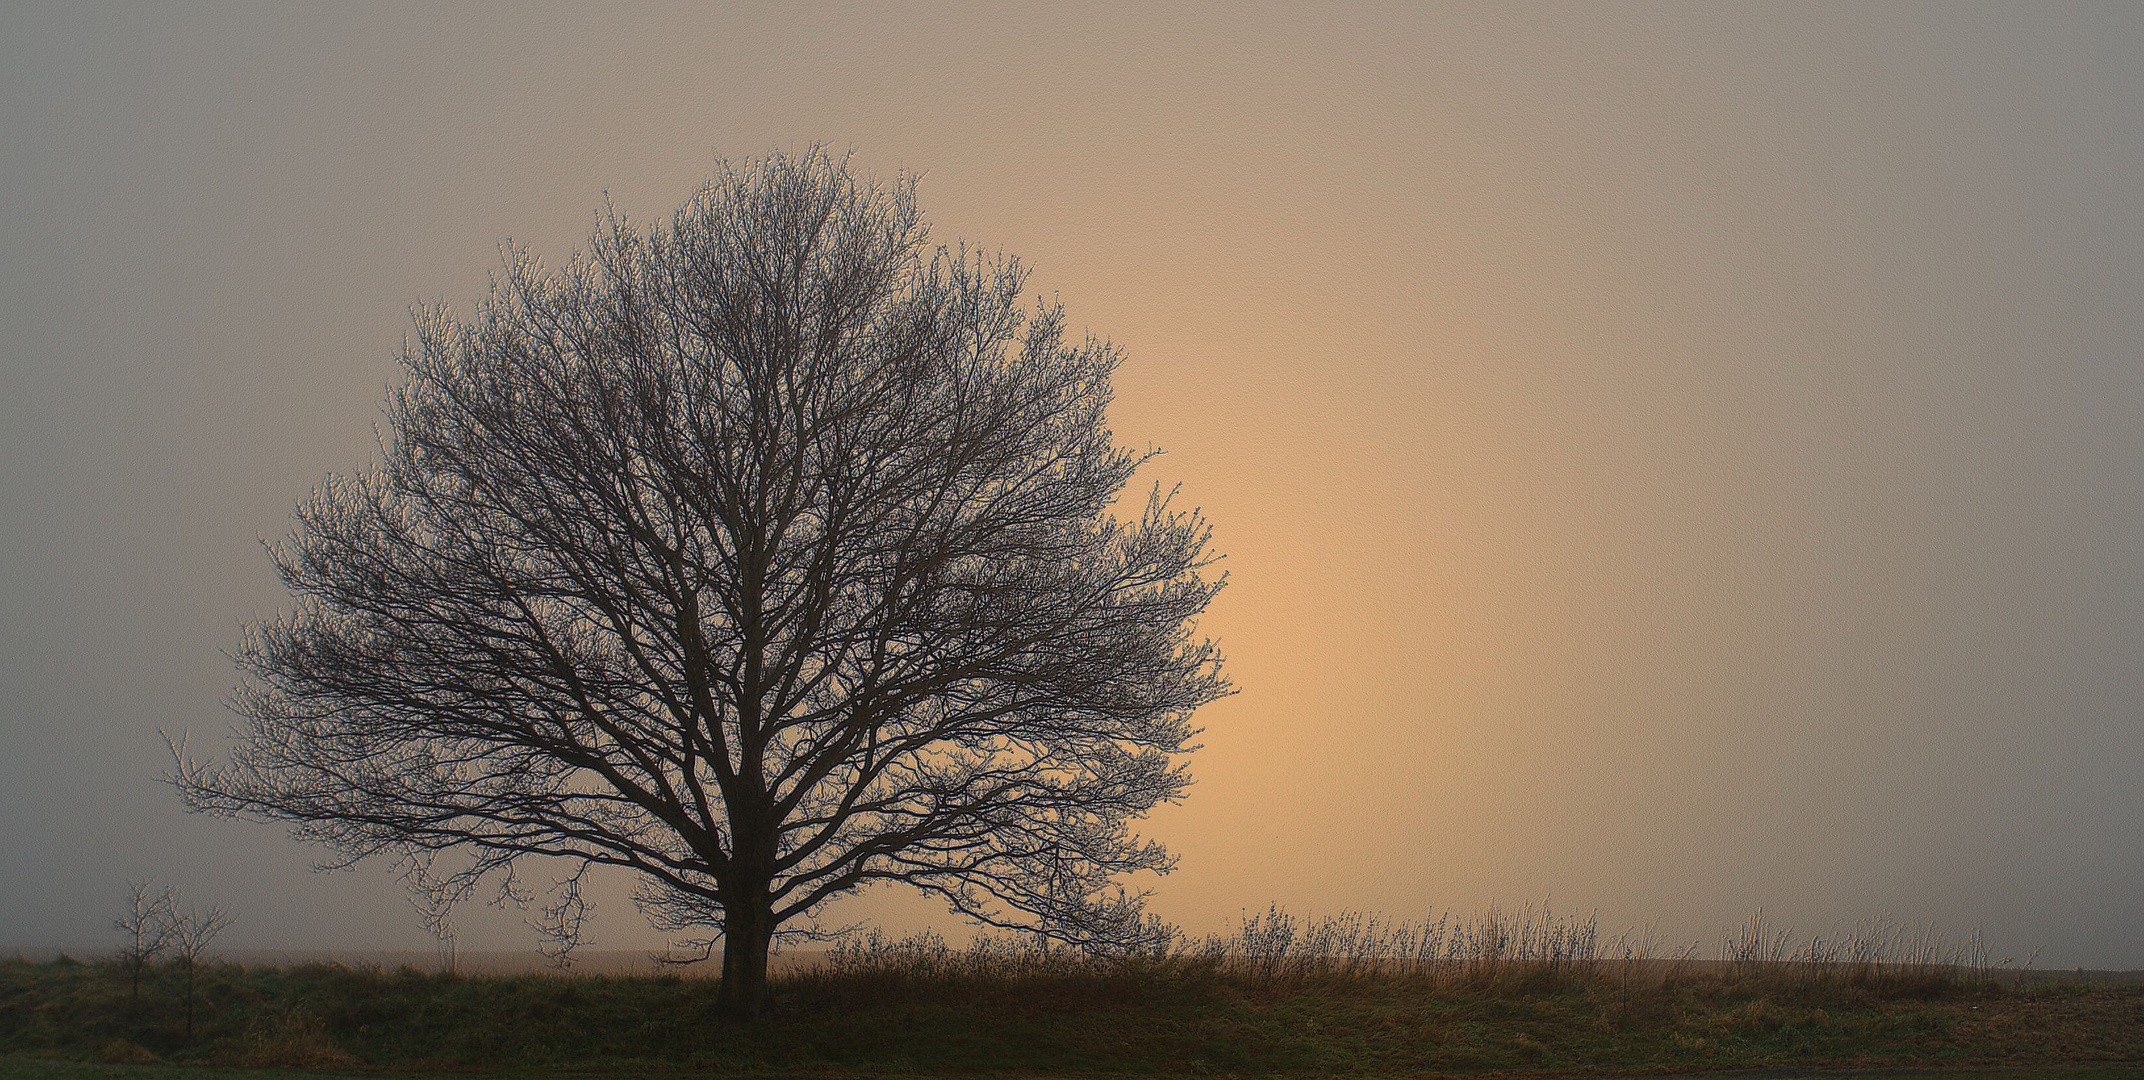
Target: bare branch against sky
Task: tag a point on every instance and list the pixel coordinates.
(766, 554)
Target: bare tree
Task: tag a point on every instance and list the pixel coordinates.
(147, 922)
(769, 554)
(191, 931)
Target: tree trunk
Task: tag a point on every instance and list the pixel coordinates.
(748, 929)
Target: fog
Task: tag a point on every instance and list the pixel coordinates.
(1669, 463)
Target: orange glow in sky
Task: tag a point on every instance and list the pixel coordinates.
(1669, 463)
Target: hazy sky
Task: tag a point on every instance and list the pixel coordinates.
(1671, 461)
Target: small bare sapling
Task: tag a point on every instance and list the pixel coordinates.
(146, 921)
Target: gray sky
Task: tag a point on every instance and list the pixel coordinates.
(1672, 461)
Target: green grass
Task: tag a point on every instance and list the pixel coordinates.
(1526, 996)
(15, 1068)
(1127, 1019)
(45, 1069)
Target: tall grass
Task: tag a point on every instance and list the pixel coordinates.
(1532, 944)
(1531, 949)
(1879, 954)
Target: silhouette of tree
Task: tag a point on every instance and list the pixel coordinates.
(768, 554)
(147, 923)
(190, 932)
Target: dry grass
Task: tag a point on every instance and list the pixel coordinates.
(1531, 949)
(1525, 991)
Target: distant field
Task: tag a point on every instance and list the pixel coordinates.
(644, 962)
(467, 962)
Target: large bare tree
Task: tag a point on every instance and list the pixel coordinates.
(768, 553)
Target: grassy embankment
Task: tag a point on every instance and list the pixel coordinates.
(1499, 993)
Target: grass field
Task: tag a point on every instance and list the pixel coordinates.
(1496, 995)
(43, 1069)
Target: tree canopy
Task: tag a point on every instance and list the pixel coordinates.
(769, 552)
